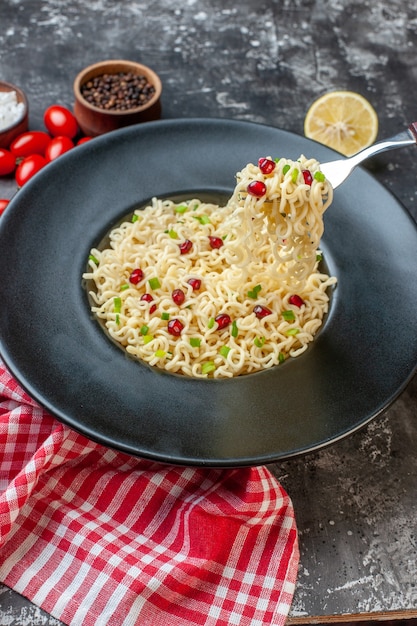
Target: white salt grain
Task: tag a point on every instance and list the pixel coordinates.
(10, 109)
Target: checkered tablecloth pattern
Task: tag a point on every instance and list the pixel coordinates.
(97, 537)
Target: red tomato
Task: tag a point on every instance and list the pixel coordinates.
(31, 142)
(60, 121)
(83, 140)
(57, 146)
(28, 167)
(3, 204)
(7, 162)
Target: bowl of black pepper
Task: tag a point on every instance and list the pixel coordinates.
(116, 93)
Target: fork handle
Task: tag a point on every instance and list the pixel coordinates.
(404, 138)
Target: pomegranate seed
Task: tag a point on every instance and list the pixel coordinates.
(148, 298)
(136, 276)
(266, 166)
(195, 283)
(296, 300)
(186, 246)
(178, 296)
(175, 327)
(257, 188)
(216, 242)
(261, 311)
(223, 320)
(308, 179)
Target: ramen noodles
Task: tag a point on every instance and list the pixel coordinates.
(218, 291)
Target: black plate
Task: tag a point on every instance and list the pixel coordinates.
(358, 364)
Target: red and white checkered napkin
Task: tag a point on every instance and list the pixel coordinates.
(97, 537)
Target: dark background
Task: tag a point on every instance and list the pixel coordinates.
(267, 61)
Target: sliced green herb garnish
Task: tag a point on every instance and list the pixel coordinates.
(173, 234)
(160, 354)
(235, 330)
(259, 341)
(319, 176)
(154, 283)
(164, 315)
(144, 329)
(181, 208)
(117, 304)
(147, 338)
(93, 259)
(135, 218)
(289, 316)
(319, 257)
(281, 357)
(254, 292)
(286, 169)
(124, 287)
(294, 175)
(224, 351)
(211, 322)
(292, 331)
(117, 319)
(195, 342)
(208, 367)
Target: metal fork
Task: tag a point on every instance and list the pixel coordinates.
(337, 171)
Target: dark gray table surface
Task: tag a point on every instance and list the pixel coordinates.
(266, 61)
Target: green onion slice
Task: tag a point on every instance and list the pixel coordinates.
(286, 169)
(259, 341)
(235, 330)
(319, 176)
(181, 208)
(160, 353)
(147, 338)
(117, 304)
(211, 322)
(292, 331)
(224, 351)
(289, 316)
(253, 293)
(164, 315)
(208, 367)
(93, 259)
(195, 342)
(154, 283)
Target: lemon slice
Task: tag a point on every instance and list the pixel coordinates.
(342, 120)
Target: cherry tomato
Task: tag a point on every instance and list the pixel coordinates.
(31, 142)
(60, 121)
(7, 162)
(83, 140)
(28, 167)
(57, 146)
(3, 204)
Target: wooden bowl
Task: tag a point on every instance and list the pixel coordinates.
(21, 124)
(94, 120)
